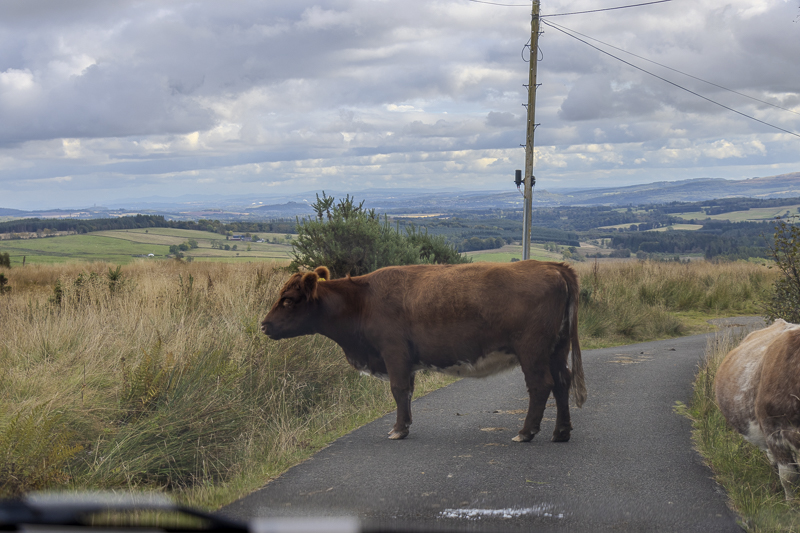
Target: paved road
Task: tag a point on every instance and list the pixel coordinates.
(629, 466)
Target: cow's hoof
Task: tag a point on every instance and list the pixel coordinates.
(523, 438)
(397, 435)
(561, 435)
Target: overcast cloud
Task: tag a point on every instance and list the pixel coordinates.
(101, 101)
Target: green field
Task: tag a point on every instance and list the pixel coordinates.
(756, 214)
(685, 227)
(125, 246)
(510, 251)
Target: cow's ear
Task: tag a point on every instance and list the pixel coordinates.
(309, 285)
(323, 273)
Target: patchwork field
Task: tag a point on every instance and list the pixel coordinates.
(125, 246)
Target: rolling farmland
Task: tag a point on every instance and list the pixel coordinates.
(125, 246)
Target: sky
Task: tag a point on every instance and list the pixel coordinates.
(106, 101)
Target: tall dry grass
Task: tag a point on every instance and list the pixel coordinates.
(631, 301)
(163, 379)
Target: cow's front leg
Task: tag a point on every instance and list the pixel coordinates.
(401, 380)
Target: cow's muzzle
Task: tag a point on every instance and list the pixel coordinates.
(269, 330)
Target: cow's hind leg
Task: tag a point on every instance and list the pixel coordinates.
(562, 378)
(782, 446)
(536, 368)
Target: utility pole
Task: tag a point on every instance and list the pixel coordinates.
(529, 178)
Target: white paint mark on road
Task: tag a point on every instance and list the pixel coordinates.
(545, 510)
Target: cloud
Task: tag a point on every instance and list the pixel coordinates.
(129, 97)
(498, 119)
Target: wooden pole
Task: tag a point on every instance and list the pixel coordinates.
(529, 179)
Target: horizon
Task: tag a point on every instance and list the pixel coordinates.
(184, 203)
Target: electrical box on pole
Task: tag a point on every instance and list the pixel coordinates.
(529, 180)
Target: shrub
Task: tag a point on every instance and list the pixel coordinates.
(784, 302)
(114, 279)
(349, 239)
(5, 260)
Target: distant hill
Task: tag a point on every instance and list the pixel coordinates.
(12, 213)
(693, 190)
(289, 209)
(416, 201)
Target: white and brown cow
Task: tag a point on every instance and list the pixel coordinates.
(468, 320)
(758, 391)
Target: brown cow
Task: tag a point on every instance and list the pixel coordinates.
(465, 320)
(758, 391)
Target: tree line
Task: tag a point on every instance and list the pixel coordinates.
(718, 238)
(37, 225)
(469, 234)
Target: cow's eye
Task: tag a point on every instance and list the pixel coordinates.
(287, 302)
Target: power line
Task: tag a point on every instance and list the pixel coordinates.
(670, 82)
(572, 13)
(672, 69)
(605, 9)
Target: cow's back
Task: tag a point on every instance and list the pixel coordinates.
(475, 302)
(738, 378)
(473, 314)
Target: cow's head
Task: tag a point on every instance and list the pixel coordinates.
(296, 310)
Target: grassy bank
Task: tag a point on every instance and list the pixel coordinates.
(632, 301)
(157, 376)
(741, 468)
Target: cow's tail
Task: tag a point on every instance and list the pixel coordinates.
(578, 382)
